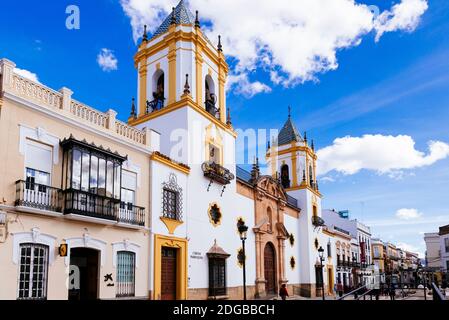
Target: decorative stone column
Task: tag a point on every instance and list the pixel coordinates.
(66, 98)
(112, 115)
(6, 71)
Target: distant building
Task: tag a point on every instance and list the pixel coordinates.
(433, 257)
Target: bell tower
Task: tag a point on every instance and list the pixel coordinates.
(292, 160)
(178, 69)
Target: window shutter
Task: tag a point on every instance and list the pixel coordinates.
(129, 180)
(38, 156)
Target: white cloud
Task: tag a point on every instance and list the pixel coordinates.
(327, 179)
(107, 60)
(242, 85)
(405, 15)
(27, 74)
(383, 154)
(291, 40)
(408, 214)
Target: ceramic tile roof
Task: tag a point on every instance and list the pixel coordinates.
(289, 133)
(183, 16)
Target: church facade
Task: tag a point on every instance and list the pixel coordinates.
(95, 208)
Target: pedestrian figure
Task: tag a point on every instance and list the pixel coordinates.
(283, 292)
(340, 290)
(392, 293)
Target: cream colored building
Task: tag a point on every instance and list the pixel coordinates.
(61, 184)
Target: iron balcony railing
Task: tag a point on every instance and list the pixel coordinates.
(131, 214)
(156, 104)
(42, 197)
(217, 173)
(318, 221)
(91, 205)
(37, 196)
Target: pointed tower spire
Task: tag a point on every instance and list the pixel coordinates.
(173, 16)
(187, 86)
(228, 120)
(133, 109)
(255, 172)
(197, 20)
(145, 34)
(220, 47)
(289, 112)
(305, 137)
(313, 145)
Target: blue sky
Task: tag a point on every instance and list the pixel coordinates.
(396, 86)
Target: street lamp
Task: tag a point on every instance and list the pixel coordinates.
(243, 229)
(321, 253)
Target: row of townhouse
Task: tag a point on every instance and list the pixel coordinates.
(360, 259)
(95, 208)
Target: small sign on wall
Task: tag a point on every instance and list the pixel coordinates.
(63, 250)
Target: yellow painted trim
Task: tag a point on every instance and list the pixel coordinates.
(143, 72)
(172, 81)
(197, 38)
(181, 245)
(171, 224)
(307, 150)
(186, 101)
(330, 276)
(171, 164)
(294, 168)
(329, 233)
(199, 75)
(216, 142)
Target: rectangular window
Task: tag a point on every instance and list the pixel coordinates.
(109, 179)
(33, 272)
(102, 177)
(126, 266)
(376, 252)
(128, 196)
(37, 180)
(93, 188)
(217, 277)
(85, 170)
(446, 244)
(76, 170)
(170, 205)
(329, 250)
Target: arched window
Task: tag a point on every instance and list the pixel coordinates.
(210, 97)
(158, 92)
(285, 176)
(270, 219)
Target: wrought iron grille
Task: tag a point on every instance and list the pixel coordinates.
(172, 199)
(126, 266)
